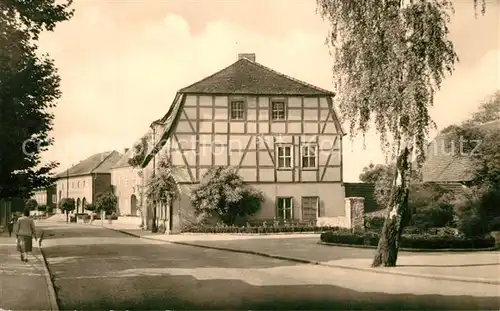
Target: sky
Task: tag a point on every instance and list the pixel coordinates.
(121, 63)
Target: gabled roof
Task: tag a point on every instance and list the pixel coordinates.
(123, 161)
(249, 77)
(97, 163)
(442, 166)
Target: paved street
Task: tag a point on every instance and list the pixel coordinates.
(96, 268)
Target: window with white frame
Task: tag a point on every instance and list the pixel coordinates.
(278, 111)
(237, 110)
(310, 208)
(284, 208)
(284, 155)
(309, 156)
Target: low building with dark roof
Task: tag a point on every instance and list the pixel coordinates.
(87, 179)
(444, 165)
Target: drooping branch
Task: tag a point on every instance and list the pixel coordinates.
(390, 57)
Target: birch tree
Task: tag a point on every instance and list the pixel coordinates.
(390, 57)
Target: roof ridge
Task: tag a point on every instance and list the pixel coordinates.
(287, 76)
(109, 153)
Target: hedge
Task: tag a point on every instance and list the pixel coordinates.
(417, 241)
(259, 230)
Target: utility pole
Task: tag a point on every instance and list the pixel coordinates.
(67, 183)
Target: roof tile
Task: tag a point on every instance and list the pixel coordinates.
(97, 163)
(248, 77)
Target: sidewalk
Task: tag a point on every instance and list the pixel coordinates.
(24, 285)
(473, 267)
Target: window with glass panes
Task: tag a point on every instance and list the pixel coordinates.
(309, 208)
(284, 156)
(278, 110)
(309, 156)
(237, 110)
(284, 208)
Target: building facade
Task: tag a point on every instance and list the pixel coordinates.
(87, 179)
(282, 136)
(127, 182)
(46, 196)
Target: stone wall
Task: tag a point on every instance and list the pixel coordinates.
(353, 218)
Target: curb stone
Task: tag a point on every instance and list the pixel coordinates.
(312, 262)
(419, 250)
(50, 284)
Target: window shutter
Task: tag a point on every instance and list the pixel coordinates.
(321, 208)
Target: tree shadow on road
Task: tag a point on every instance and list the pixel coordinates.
(188, 293)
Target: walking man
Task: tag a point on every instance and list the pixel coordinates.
(25, 232)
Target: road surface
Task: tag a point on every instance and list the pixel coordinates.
(96, 269)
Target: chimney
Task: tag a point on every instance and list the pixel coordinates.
(249, 56)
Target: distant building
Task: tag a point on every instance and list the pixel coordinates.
(126, 182)
(87, 179)
(46, 196)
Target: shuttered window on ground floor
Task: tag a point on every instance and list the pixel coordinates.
(310, 208)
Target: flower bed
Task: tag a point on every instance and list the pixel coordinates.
(411, 241)
(260, 229)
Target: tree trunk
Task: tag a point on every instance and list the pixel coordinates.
(398, 214)
(67, 217)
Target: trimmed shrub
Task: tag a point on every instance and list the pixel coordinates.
(350, 238)
(416, 241)
(258, 230)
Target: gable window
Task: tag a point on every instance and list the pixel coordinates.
(278, 111)
(310, 208)
(309, 156)
(284, 209)
(284, 155)
(237, 110)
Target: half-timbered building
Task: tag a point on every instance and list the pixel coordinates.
(282, 135)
